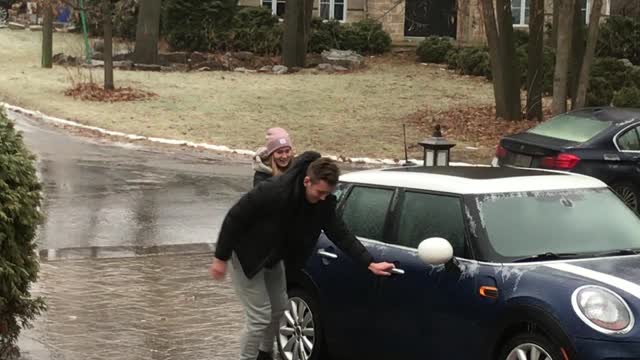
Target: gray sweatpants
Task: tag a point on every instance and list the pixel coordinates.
(264, 298)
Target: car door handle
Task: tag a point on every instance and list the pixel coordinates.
(397, 271)
(326, 254)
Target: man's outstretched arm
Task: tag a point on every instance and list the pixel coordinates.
(340, 235)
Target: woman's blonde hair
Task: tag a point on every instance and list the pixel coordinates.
(276, 170)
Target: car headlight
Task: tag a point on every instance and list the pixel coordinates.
(602, 309)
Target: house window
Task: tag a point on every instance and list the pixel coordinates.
(276, 6)
(520, 12)
(586, 7)
(333, 9)
(585, 10)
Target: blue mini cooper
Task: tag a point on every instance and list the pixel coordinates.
(491, 263)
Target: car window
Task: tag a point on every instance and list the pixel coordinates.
(629, 140)
(423, 216)
(340, 190)
(571, 128)
(365, 211)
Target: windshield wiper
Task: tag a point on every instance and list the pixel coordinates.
(547, 256)
(620, 252)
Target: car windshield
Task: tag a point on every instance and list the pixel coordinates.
(582, 222)
(571, 128)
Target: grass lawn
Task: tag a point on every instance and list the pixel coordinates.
(353, 115)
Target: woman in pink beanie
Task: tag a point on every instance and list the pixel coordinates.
(275, 157)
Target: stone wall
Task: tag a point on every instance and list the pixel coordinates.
(471, 27)
(355, 15)
(625, 7)
(470, 23)
(391, 14)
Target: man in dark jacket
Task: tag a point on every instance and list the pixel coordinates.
(277, 223)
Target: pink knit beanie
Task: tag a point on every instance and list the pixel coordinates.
(277, 138)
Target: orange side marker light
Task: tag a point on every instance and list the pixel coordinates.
(490, 292)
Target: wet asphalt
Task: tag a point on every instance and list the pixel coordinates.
(109, 199)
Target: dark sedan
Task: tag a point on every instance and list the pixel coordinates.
(599, 142)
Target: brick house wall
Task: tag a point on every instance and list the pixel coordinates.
(470, 26)
(389, 12)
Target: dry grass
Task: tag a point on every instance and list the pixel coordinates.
(357, 114)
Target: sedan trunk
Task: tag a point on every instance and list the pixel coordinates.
(529, 150)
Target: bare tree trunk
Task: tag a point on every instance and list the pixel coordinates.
(491, 30)
(592, 39)
(577, 51)
(47, 36)
(108, 45)
(297, 25)
(556, 23)
(535, 71)
(563, 52)
(308, 16)
(147, 32)
(507, 52)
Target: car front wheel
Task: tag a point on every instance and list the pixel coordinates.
(628, 193)
(531, 346)
(300, 335)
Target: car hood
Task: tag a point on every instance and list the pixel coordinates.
(620, 272)
(550, 285)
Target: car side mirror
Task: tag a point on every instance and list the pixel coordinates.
(435, 251)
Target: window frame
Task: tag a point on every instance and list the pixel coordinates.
(524, 22)
(587, 9)
(388, 221)
(635, 126)
(397, 214)
(332, 9)
(274, 6)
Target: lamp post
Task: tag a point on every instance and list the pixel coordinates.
(436, 149)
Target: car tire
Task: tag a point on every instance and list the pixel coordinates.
(629, 193)
(527, 345)
(305, 329)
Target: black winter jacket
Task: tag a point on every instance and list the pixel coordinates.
(274, 221)
(259, 177)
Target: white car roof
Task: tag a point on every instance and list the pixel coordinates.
(472, 180)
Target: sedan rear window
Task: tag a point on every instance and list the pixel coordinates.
(571, 128)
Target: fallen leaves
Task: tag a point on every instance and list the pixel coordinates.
(94, 92)
(477, 126)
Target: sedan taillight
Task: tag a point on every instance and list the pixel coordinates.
(560, 162)
(501, 152)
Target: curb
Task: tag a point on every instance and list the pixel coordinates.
(221, 148)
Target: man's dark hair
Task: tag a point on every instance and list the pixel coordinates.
(324, 169)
